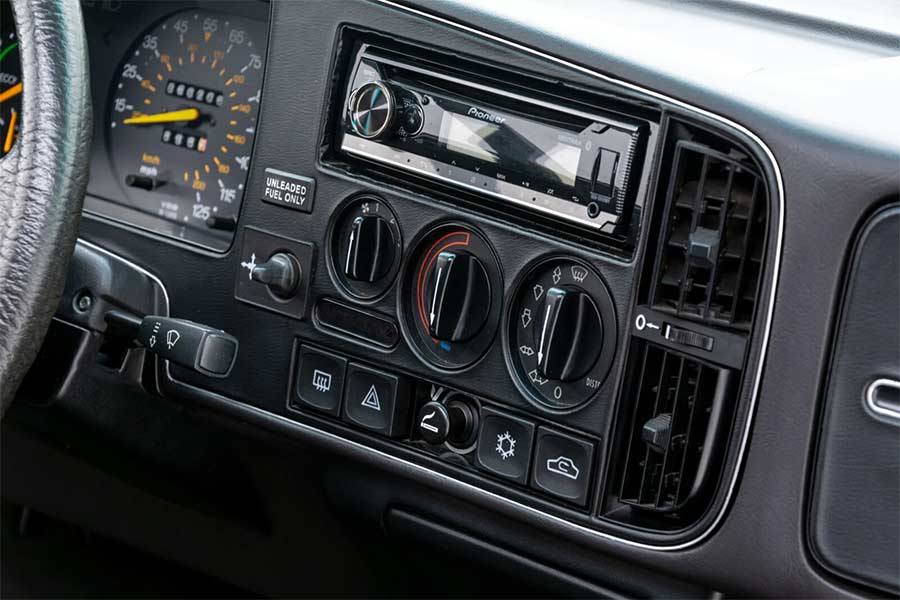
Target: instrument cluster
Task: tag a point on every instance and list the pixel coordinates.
(179, 118)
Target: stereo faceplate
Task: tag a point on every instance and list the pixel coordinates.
(557, 162)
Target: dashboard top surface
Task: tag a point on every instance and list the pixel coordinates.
(797, 69)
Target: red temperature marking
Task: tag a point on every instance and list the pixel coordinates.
(425, 267)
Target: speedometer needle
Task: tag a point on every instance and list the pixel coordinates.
(11, 131)
(188, 114)
(11, 92)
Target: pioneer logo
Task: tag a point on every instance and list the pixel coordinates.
(485, 116)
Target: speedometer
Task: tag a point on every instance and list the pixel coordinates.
(182, 118)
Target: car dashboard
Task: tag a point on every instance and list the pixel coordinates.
(604, 299)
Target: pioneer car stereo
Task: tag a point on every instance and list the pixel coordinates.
(560, 162)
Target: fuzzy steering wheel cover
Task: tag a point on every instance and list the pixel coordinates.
(42, 180)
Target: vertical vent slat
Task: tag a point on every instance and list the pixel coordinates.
(720, 230)
(715, 219)
(745, 256)
(674, 397)
(686, 281)
(634, 449)
(648, 474)
(673, 411)
(693, 405)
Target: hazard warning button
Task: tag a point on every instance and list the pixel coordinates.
(376, 401)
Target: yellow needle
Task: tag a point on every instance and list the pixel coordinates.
(7, 144)
(11, 92)
(188, 114)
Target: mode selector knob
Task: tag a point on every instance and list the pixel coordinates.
(371, 249)
(372, 109)
(457, 296)
(569, 333)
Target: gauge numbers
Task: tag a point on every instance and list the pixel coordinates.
(182, 117)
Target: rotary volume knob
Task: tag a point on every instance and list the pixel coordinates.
(372, 109)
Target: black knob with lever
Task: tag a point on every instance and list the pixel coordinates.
(458, 296)
(204, 349)
(281, 274)
(569, 332)
(370, 249)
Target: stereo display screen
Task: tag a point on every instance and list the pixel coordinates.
(516, 145)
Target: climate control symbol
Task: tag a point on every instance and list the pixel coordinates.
(365, 247)
(450, 297)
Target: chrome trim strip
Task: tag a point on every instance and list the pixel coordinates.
(507, 192)
(882, 413)
(776, 259)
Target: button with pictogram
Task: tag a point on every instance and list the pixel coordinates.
(562, 465)
(376, 401)
(320, 380)
(504, 445)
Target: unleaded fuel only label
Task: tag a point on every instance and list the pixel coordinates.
(289, 190)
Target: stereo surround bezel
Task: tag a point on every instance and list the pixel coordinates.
(548, 99)
(592, 204)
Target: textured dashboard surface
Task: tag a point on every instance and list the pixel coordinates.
(797, 83)
(808, 72)
(820, 96)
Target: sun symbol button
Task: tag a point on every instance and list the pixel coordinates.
(506, 445)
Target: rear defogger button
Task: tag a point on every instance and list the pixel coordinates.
(320, 380)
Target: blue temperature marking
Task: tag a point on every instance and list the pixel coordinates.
(445, 346)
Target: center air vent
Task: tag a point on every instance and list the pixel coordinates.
(681, 406)
(715, 224)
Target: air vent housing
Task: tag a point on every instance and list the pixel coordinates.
(681, 409)
(715, 226)
(685, 396)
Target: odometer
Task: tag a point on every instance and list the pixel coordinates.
(182, 117)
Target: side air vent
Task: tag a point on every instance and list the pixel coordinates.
(715, 224)
(685, 396)
(681, 408)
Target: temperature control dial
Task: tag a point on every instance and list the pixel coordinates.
(365, 247)
(457, 296)
(451, 296)
(561, 333)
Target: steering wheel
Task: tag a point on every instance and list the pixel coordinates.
(42, 180)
